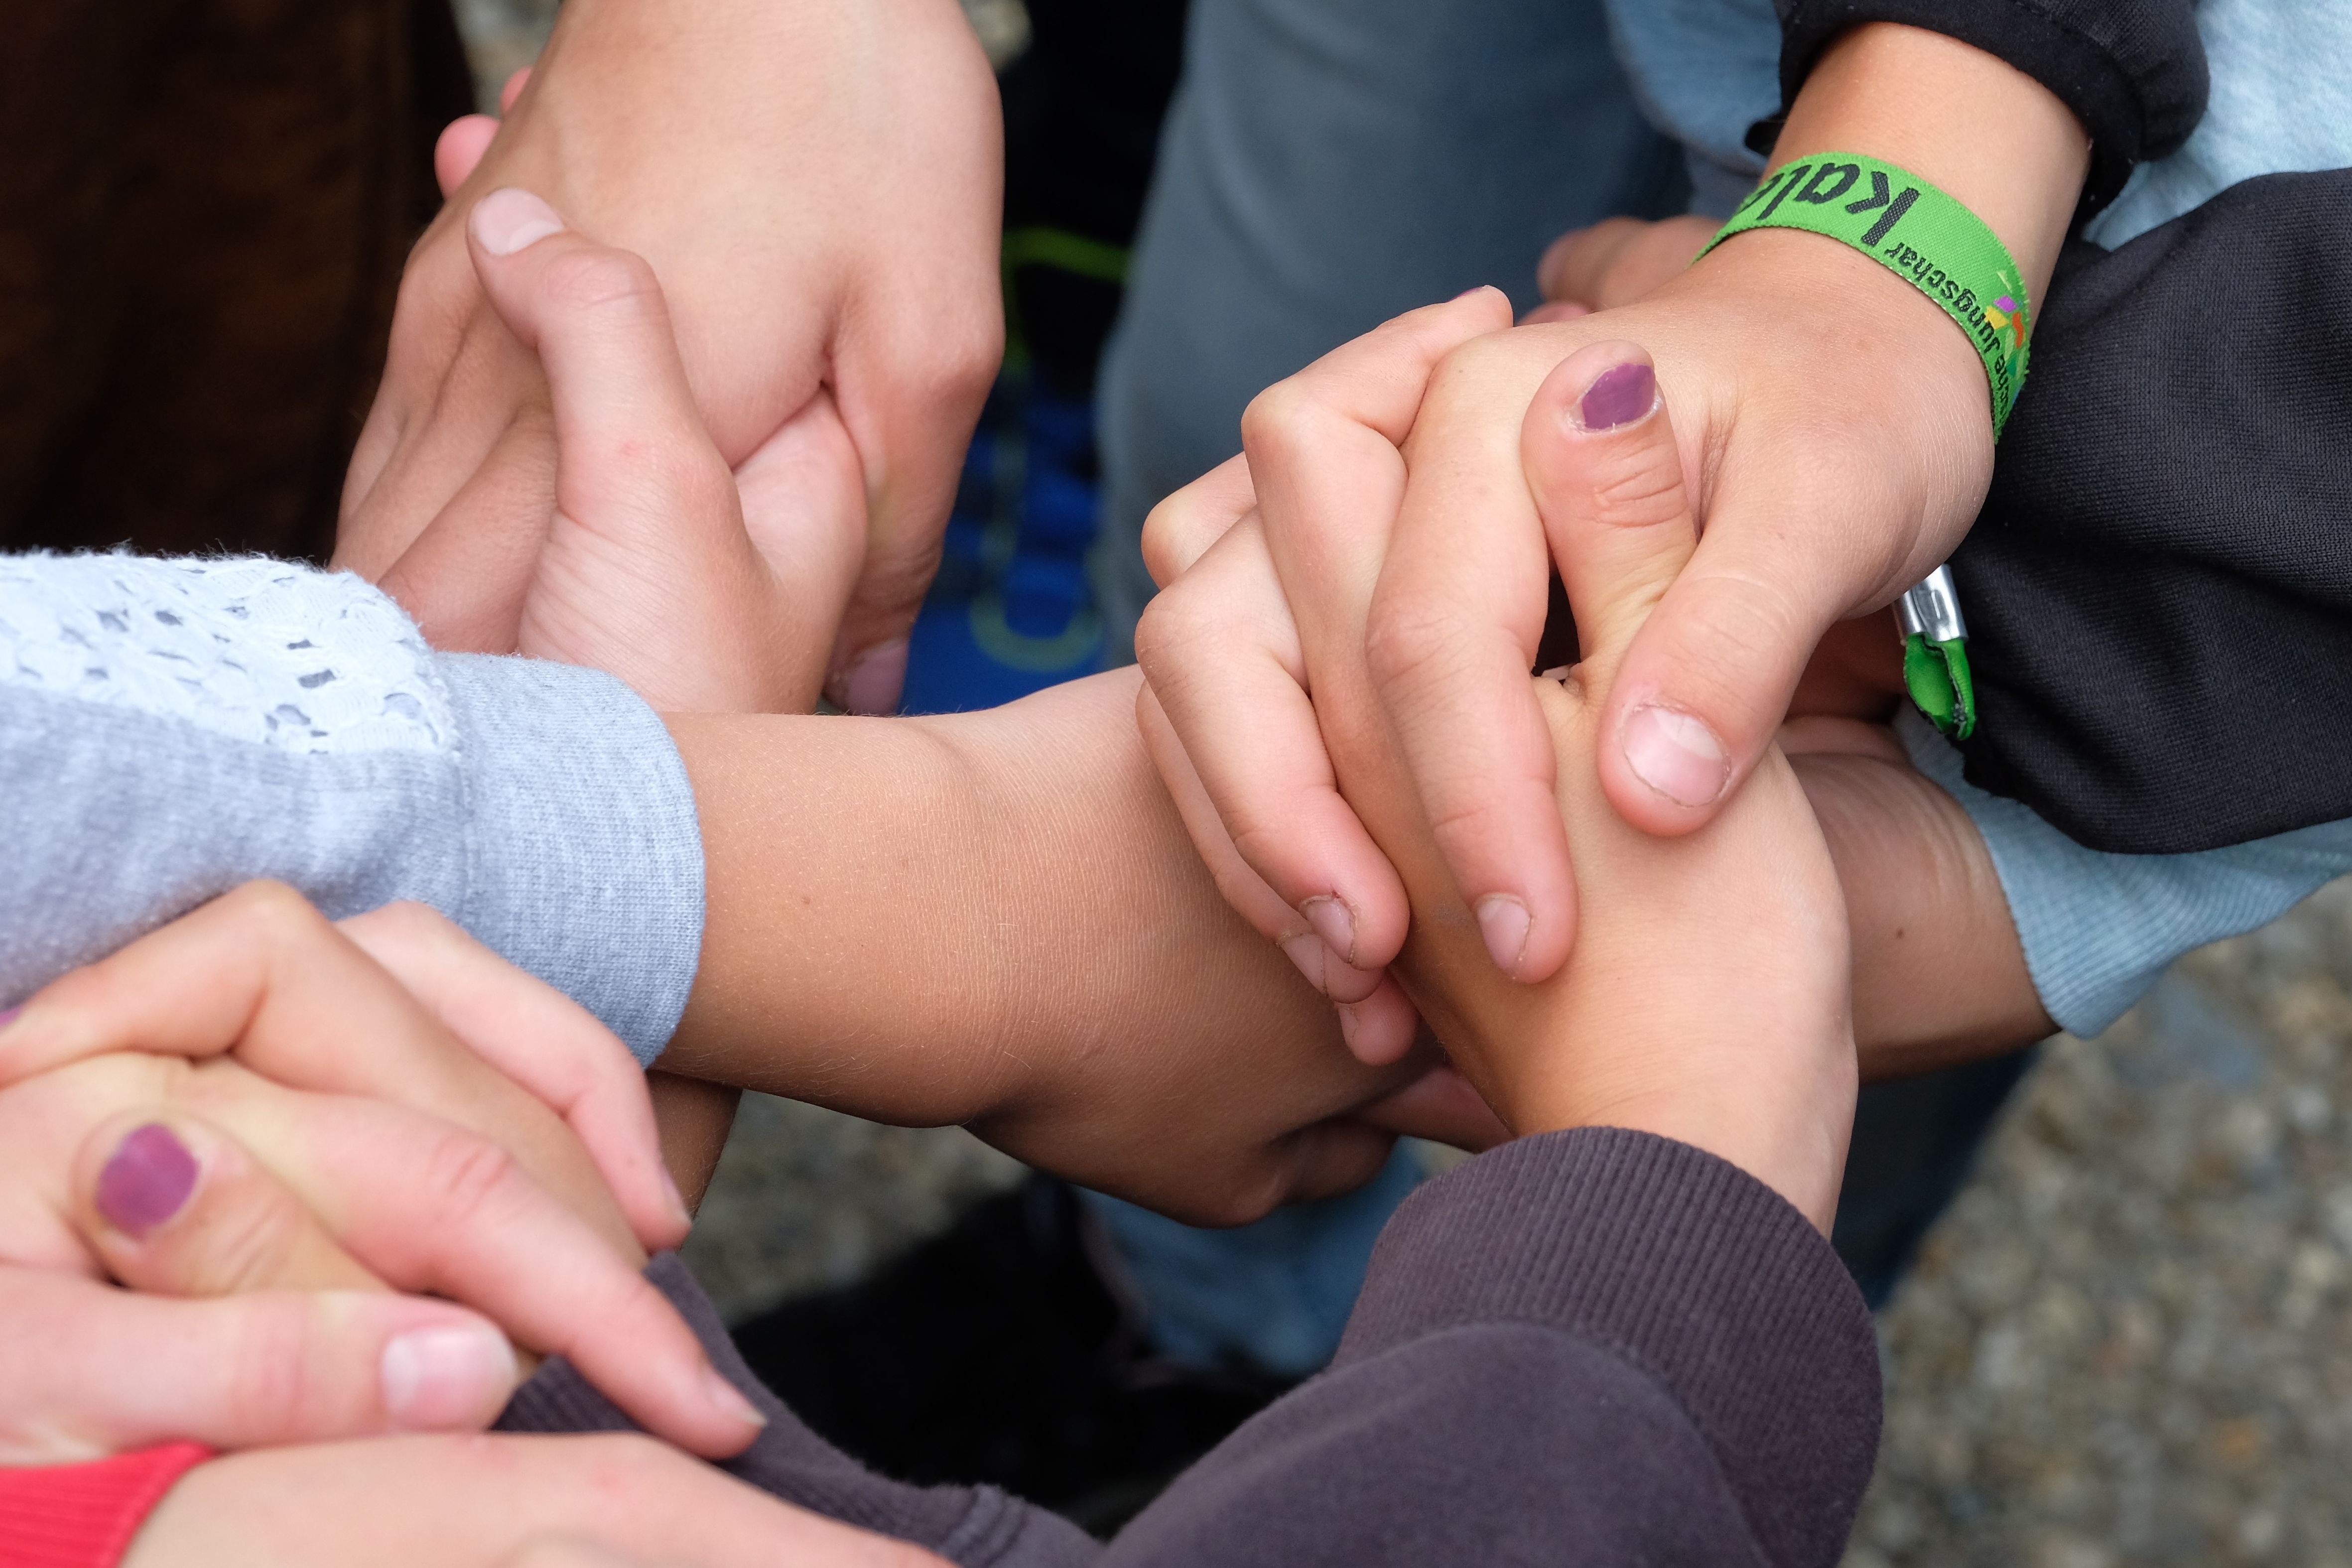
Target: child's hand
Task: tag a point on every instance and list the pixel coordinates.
(1615, 262)
(1707, 998)
(611, 1500)
(1833, 424)
(707, 589)
(817, 187)
(248, 1100)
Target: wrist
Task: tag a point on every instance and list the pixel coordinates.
(1981, 130)
(1787, 1126)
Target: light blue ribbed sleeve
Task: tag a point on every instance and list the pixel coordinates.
(170, 728)
(2098, 929)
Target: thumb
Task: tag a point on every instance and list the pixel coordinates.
(1598, 448)
(1705, 680)
(626, 422)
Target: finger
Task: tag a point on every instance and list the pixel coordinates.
(1183, 527)
(1383, 1027)
(556, 1552)
(432, 1207)
(1247, 892)
(87, 1370)
(459, 148)
(175, 1208)
(909, 375)
(1455, 622)
(1705, 682)
(453, 478)
(1619, 260)
(646, 508)
(1598, 448)
(443, 1501)
(1333, 1157)
(1442, 1106)
(542, 1040)
(1322, 456)
(1555, 310)
(463, 575)
(624, 415)
(259, 971)
(1225, 663)
(1573, 264)
(804, 503)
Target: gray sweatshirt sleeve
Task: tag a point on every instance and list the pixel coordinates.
(170, 728)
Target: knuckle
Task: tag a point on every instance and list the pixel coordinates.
(275, 913)
(1410, 641)
(597, 278)
(274, 1347)
(243, 1239)
(467, 1176)
(1277, 419)
(1639, 487)
(1165, 530)
(1169, 624)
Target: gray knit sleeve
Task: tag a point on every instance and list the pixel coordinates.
(171, 728)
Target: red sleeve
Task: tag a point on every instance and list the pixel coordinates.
(83, 1516)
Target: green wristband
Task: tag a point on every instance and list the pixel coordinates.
(1915, 230)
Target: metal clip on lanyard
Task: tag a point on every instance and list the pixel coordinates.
(1935, 654)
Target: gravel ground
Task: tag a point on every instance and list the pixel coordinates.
(2130, 1342)
(806, 1198)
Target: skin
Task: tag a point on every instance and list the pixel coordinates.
(1834, 426)
(816, 186)
(1707, 1001)
(1939, 974)
(411, 1163)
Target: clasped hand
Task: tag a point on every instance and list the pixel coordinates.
(1707, 995)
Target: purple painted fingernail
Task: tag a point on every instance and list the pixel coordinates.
(8, 1015)
(1618, 395)
(147, 1180)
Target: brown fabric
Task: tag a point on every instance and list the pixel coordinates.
(205, 206)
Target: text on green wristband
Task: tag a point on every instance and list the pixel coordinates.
(1910, 227)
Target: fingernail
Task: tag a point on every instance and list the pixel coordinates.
(1474, 289)
(1334, 923)
(876, 679)
(8, 1015)
(507, 220)
(1676, 754)
(1349, 1029)
(443, 1377)
(1503, 921)
(146, 1180)
(727, 1397)
(1306, 951)
(1618, 395)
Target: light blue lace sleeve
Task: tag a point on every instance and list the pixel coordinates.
(171, 728)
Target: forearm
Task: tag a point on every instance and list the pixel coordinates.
(923, 920)
(172, 729)
(1982, 130)
(1939, 976)
(2132, 70)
